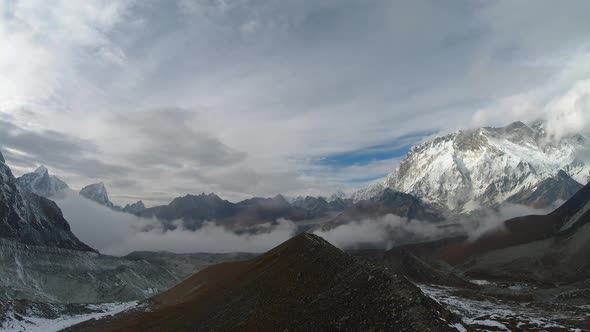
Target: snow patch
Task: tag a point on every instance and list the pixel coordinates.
(33, 322)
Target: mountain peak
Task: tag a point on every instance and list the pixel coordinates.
(97, 192)
(516, 124)
(41, 170)
(2, 158)
(303, 242)
(42, 183)
(134, 208)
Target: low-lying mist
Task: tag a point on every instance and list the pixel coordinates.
(391, 230)
(117, 233)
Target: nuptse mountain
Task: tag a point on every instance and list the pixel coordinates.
(468, 170)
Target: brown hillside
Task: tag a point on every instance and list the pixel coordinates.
(303, 284)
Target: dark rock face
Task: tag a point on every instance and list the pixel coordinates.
(561, 187)
(315, 207)
(575, 211)
(134, 208)
(31, 219)
(194, 210)
(305, 283)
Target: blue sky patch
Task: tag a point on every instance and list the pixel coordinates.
(395, 149)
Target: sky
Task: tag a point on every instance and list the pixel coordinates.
(245, 98)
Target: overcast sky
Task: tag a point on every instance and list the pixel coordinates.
(258, 97)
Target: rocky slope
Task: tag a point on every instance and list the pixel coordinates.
(305, 284)
(45, 274)
(540, 248)
(467, 170)
(560, 258)
(31, 219)
(41, 183)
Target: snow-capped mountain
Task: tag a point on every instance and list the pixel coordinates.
(97, 192)
(466, 170)
(41, 183)
(28, 218)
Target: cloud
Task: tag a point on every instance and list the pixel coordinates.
(233, 91)
(390, 230)
(570, 114)
(492, 220)
(118, 233)
(173, 139)
(27, 148)
(385, 232)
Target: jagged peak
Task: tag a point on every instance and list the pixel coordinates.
(516, 124)
(95, 190)
(563, 175)
(42, 170)
(2, 157)
(281, 199)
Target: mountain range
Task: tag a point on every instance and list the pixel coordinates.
(194, 210)
(43, 184)
(42, 260)
(527, 273)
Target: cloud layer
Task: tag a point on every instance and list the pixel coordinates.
(117, 233)
(161, 98)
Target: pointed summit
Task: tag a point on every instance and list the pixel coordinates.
(2, 158)
(97, 192)
(42, 170)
